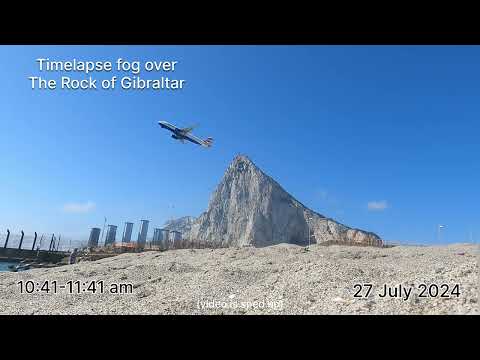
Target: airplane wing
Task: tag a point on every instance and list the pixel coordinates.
(189, 129)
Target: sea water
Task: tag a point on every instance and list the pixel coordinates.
(5, 264)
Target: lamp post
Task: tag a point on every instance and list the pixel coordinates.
(440, 227)
(309, 233)
(103, 230)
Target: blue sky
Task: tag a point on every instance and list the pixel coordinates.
(384, 138)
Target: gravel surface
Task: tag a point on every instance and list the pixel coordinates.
(281, 279)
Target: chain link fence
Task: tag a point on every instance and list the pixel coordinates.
(43, 241)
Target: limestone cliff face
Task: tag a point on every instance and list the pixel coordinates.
(182, 224)
(250, 208)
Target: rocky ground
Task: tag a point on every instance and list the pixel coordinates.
(282, 279)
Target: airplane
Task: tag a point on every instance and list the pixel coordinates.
(184, 134)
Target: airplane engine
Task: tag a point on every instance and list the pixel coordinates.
(175, 137)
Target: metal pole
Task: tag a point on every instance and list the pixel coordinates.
(440, 227)
(40, 243)
(34, 241)
(21, 241)
(309, 231)
(51, 243)
(58, 243)
(6, 241)
(103, 230)
(308, 234)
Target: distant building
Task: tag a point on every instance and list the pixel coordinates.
(157, 237)
(127, 232)
(164, 244)
(111, 234)
(175, 238)
(142, 234)
(94, 237)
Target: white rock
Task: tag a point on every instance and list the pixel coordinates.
(250, 208)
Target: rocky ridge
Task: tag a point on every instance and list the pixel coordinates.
(250, 208)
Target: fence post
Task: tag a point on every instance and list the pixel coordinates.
(40, 242)
(58, 243)
(6, 241)
(51, 242)
(34, 241)
(21, 241)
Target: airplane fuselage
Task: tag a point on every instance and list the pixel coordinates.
(184, 134)
(178, 134)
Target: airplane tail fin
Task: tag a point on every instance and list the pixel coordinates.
(208, 142)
